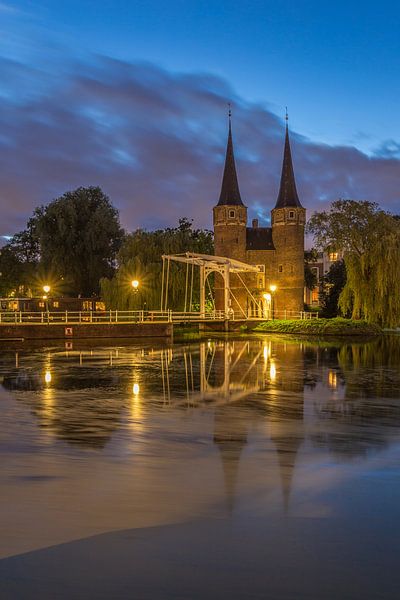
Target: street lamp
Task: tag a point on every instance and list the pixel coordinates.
(46, 289)
(135, 286)
(267, 298)
(272, 287)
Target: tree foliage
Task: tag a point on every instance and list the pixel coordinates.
(310, 278)
(140, 258)
(19, 260)
(79, 236)
(370, 239)
(332, 285)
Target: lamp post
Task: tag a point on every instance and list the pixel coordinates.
(46, 289)
(135, 286)
(272, 287)
(267, 309)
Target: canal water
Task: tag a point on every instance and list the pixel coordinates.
(262, 467)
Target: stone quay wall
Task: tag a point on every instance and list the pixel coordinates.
(45, 331)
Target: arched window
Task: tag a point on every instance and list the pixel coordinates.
(231, 214)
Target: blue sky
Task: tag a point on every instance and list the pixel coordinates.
(66, 68)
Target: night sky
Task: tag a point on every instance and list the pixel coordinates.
(132, 96)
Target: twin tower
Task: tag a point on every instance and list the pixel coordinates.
(277, 251)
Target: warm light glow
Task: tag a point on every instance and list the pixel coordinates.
(46, 289)
(135, 389)
(272, 371)
(44, 297)
(272, 287)
(135, 284)
(332, 379)
(267, 296)
(266, 352)
(47, 377)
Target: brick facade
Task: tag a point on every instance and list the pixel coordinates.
(279, 250)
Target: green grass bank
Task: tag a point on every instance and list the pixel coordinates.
(337, 327)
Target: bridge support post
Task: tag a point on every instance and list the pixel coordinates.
(202, 291)
(226, 290)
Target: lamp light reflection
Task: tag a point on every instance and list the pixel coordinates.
(272, 371)
(332, 380)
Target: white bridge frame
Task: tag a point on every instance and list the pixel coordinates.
(208, 264)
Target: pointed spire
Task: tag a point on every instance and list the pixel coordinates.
(287, 191)
(230, 193)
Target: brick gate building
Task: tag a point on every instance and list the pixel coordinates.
(278, 251)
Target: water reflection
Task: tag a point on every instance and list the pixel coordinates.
(340, 398)
(218, 422)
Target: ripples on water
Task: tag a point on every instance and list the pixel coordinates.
(99, 437)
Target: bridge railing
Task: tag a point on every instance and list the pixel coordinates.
(106, 316)
(138, 316)
(197, 316)
(75, 317)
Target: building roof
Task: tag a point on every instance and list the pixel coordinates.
(259, 238)
(230, 193)
(287, 196)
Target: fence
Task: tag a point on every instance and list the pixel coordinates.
(136, 316)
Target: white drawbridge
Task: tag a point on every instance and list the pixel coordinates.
(207, 264)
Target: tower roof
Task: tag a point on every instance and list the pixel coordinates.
(287, 191)
(230, 193)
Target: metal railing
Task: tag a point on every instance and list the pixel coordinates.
(138, 316)
(76, 317)
(282, 315)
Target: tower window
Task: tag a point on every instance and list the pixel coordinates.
(291, 214)
(231, 214)
(280, 268)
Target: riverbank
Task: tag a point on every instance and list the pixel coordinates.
(214, 558)
(69, 332)
(337, 327)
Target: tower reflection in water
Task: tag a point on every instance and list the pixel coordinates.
(87, 397)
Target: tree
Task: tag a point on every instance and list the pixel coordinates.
(140, 258)
(370, 239)
(79, 236)
(310, 277)
(18, 262)
(332, 285)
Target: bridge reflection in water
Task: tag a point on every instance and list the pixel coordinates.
(243, 383)
(265, 395)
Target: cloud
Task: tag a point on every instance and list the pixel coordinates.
(7, 8)
(155, 142)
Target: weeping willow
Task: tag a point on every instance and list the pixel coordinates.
(140, 258)
(370, 240)
(372, 289)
